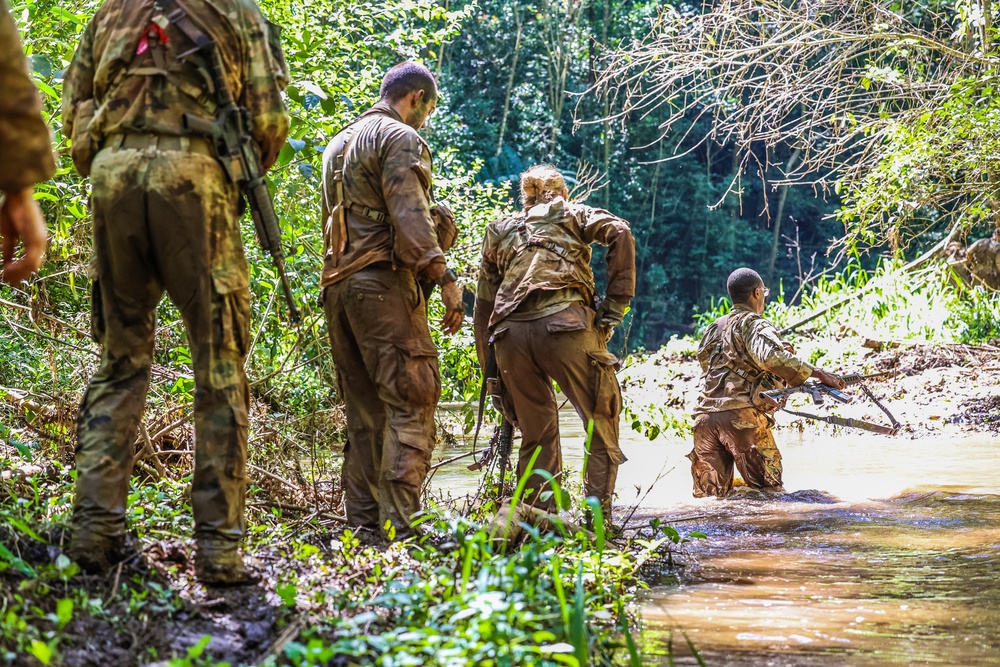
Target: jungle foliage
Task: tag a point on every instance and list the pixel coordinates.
(572, 83)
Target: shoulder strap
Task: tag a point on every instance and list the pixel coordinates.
(733, 359)
(531, 239)
(177, 15)
(338, 179)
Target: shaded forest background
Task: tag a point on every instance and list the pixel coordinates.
(633, 101)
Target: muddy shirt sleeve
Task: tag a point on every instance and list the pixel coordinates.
(486, 292)
(25, 143)
(601, 226)
(266, 77)
(763, 344)
(406, 182)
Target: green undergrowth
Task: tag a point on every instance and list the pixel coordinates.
(451, 597)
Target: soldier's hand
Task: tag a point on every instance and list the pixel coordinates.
(21, 219)
(831, 379)
(454, 309)
(610, 313)
(788, 347)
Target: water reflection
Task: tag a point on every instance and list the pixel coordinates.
(884, 551)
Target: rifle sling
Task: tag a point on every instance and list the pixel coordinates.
(846, 421)
(179, 17)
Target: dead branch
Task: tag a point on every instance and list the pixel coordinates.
(834, 83)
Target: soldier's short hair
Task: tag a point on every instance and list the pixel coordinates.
(741, 284)
(404, 78)
(540, 184)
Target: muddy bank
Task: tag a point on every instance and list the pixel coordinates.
(929, 386)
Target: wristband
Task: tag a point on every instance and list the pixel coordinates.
(449, 277)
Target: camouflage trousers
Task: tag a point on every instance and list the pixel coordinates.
(564, 347)
(741, 437)
(387, 374)
(165, 221)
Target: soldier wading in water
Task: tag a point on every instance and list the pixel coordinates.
(742, 355)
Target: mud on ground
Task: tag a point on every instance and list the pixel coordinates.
(928, 388)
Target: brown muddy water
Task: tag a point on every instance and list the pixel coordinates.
(884, 551)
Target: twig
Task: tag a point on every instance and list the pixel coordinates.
(276, 478)
(278, 645)
(458, 457)
(148, 452)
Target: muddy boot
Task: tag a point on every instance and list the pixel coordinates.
(96, 554)
(371, 537)
(220, 564)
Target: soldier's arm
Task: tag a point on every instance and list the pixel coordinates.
(601, 226)
(266, 77)
(406, 182)
(765, 348)
(24, 138)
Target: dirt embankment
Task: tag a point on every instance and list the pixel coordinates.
(929, 386)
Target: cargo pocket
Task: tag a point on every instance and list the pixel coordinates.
(233, 323)
(574, 318)
(607, 395)
(418, 381)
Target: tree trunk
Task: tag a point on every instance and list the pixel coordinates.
(778, 216)
(510, 80)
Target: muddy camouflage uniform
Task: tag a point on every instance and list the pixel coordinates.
(25, 143)
(167, 219)
(535, 294)
(740, 355)
(376, 312)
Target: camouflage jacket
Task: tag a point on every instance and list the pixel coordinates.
(25, 143)
(126, 78)
(547, 248)
(387, 181)
(741, 353)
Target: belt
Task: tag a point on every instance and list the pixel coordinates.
(160, 142)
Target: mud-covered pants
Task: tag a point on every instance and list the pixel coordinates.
(387, 373)
(739, 436)
(567, 348)
(165, 220)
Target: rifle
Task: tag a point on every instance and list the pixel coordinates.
(817, 390)
(500, 445)
(502, 441)
(234, 151)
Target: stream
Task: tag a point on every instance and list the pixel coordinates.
(883, 551)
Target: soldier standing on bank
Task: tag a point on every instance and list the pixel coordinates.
(382, 257)
(534, 303)
(166, 218)
(26, 148)
(742, 355)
